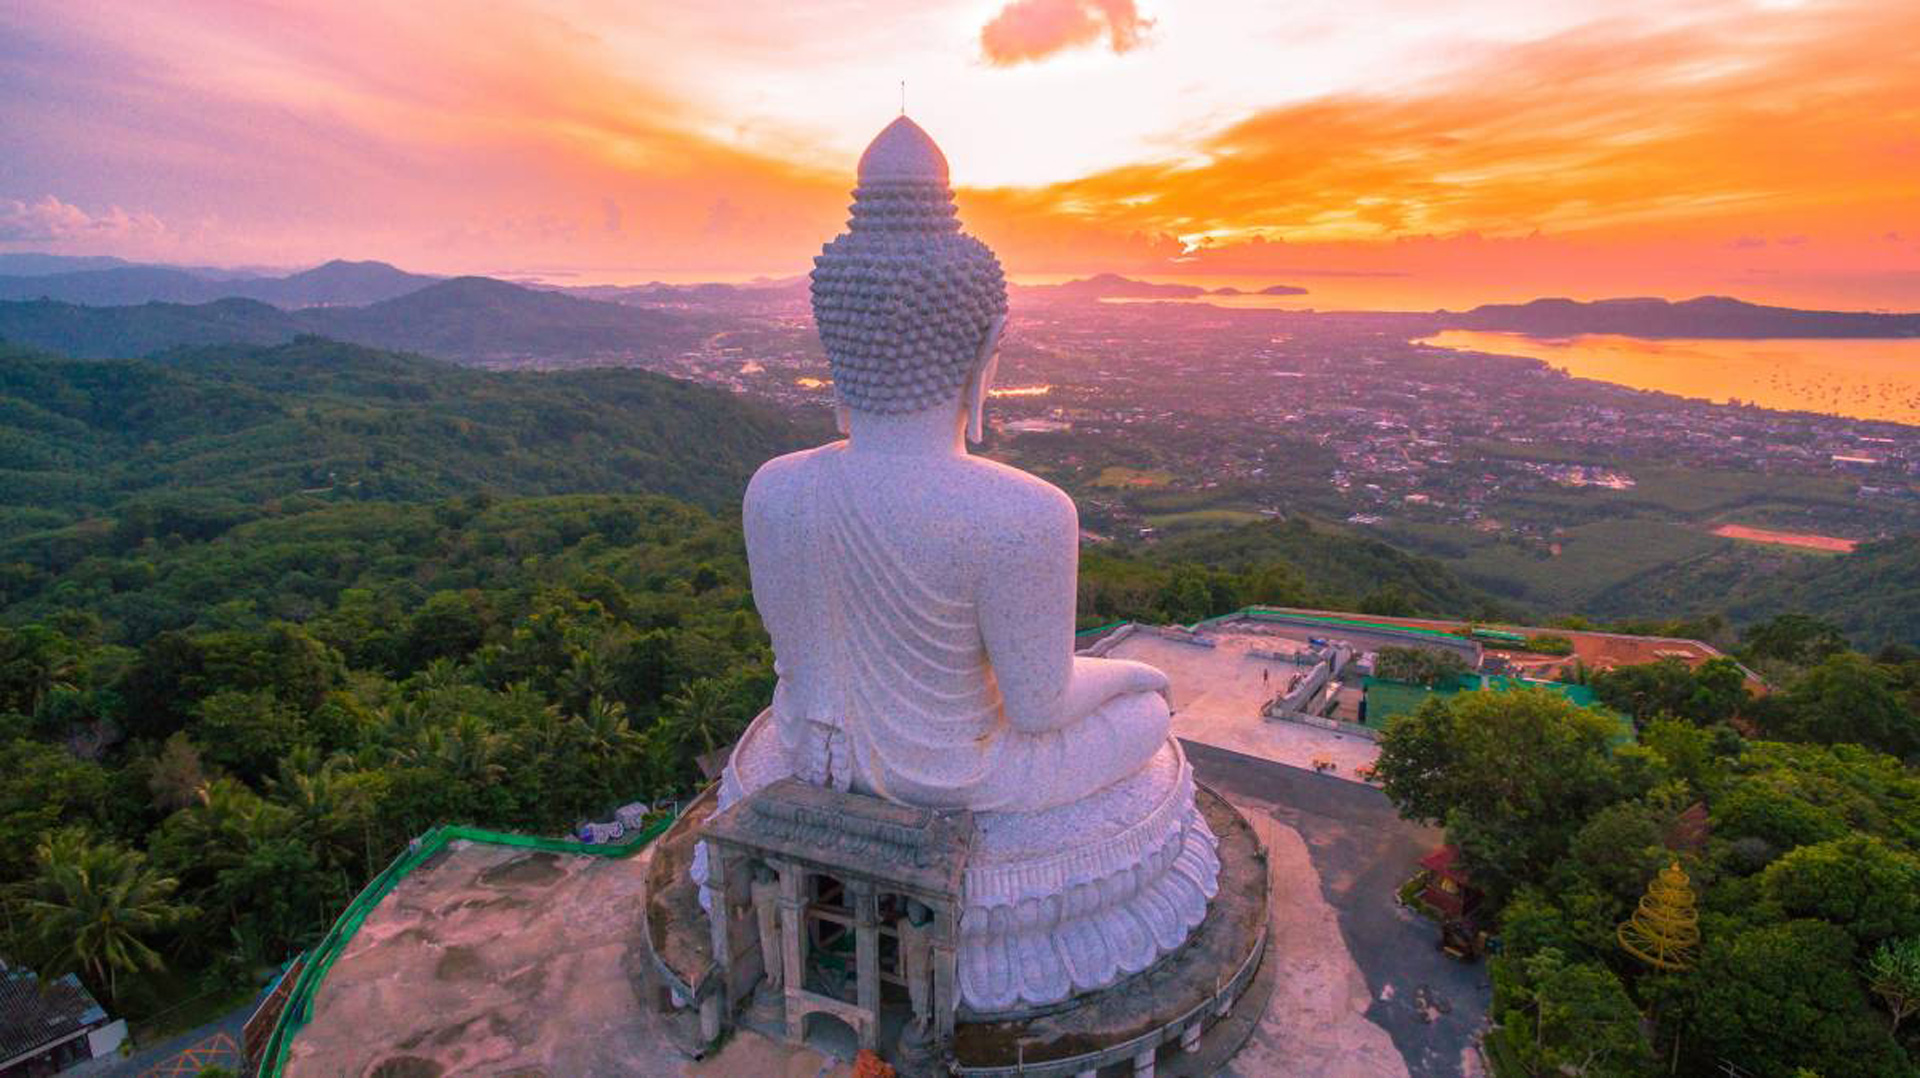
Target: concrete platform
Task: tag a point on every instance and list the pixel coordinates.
(1218, 693)
(495, 962)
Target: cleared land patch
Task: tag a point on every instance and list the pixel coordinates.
(1802, 540)
(1121, 478)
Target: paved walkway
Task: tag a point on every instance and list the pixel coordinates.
(1430, 1006)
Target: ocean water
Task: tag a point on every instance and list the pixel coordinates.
(1864, 379)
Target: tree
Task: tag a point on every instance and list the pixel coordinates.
(34, 662)
(248, 732)
(1859, 883)
(1550, 644)
(1714, 693)
(1686, 750)
(1186, 598)
(1846, 698)
(42, 787)
(1419, 666)
(1620, 847)
(95, 906)
(449, 625)
(1799, 639)
(1665, 931)
(1513, 775)
(1569, 1018)
(1719, 691)
(1893, 973)
(1785, 996)
(178, 779)
(699, 714)
(1391, 600)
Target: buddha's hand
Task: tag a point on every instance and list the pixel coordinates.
(1141, 678)
(1095, 682)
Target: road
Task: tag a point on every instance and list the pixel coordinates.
(1429, 1004)
(215, 1044)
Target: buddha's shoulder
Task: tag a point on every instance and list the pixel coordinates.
(778, 476)
(1021, 497)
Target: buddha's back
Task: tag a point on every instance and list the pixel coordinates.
(867, 568)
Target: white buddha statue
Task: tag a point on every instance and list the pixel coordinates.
(921, 604)
(921, 599)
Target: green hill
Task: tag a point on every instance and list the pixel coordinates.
(1295, 562)
(102, 455)
(1873, 594)
(467, 319)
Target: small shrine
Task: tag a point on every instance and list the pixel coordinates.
(834, 899)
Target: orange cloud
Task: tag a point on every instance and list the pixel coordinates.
(1627, 156)
(1628, 147)
(1029, 30)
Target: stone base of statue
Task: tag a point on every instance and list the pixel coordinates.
(1087, 936)
(1061, 902)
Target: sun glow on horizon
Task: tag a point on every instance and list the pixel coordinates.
(1572, 147)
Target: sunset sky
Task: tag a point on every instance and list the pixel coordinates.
(1378, 152)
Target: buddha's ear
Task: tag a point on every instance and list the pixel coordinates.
(981, 380)
(842, 418)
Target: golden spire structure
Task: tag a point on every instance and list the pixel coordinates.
(1665, 931)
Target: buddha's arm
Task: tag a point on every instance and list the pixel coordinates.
(1026, 608)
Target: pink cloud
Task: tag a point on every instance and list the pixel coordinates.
(1028, 30)
(53, 221)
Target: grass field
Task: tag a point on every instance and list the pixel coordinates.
(1202, 518)
(1593, 558)
(1119, 478)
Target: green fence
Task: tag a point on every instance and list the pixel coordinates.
(299, 1008)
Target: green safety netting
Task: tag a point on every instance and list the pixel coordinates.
(299, 1006)
(1259, 613)
(1263, 613)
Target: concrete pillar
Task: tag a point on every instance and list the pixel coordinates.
(723, 868)
(793, 943)
(946, 990)
(710, 1017)
(1143, 1064)
(1190, 1037)
(946, 978)
(866, 960)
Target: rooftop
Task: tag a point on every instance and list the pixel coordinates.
(34, 1014)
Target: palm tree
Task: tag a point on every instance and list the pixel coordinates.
(465, 749)
(329, 811)
(699, 712)
(93, 907)
(606, 727)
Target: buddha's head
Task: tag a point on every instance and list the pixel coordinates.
(909, 308)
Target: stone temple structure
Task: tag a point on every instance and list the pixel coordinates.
(921, 606)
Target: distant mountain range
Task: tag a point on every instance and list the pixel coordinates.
(780, 290)
(337, 282)
(1113, 286)
(1706, 317)
(467, 319)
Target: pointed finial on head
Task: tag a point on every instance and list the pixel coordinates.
(903, 153)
